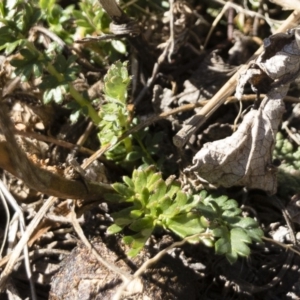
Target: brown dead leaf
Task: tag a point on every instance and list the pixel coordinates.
(245, 158)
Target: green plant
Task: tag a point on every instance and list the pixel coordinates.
(156, 202)
(287, 153)
(116, 119)
(56, 70)
(288, 171)
(114, 113)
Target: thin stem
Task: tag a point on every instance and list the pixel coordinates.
(92, 113)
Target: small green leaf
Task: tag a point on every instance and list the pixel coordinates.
(232, 257)
(113, 229)
(172, 211)
(49, 82)
(246, 223)
(164, 203)
(114, 197)
(185, 225)
(10, 47)
(208, 242)
(221, 231)
(128, 239)
(222, 246)
(173, 189)
(134, 252)
(160, 191)
(238, 235)
(123, 218)
(133, 156)
(255, 234)
(123, 190)
(141, 224)
(60, 63)
(136, 242)
(55, 94)
(153, 180)
(110, 118)
(136, 213)
(140, 180)
(129, 182)
(144, 196)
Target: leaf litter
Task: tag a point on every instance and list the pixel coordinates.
(245, 158)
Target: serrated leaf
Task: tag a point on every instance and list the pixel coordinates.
(6, 35)
(246, 223)
(255, 234)
(231, 212)
(223, 246)
(53, 94)
(237, 235)
(60, 63)
(203, 195)
(116, 81)
(232, 257)
(49, 82)
(185, 225)
(239, 240)
(10, 47)
(221, 200)
(177, 207)
(221, 231)
(207, 211)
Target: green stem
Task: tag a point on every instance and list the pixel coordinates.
(85, 103)
(145, 150)
(75, 94)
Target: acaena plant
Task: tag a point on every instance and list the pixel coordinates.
(154, 202)
(117, 119)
